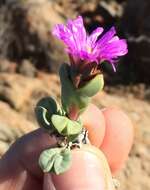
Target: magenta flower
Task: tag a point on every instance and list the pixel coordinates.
(90, 48)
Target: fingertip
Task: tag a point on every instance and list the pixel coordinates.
(118, 137)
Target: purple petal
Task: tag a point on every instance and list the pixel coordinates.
(107, 37)
(115, 38)
(78, 32)
(114, 49)
(94, 35)
(73, 35)
(63, 33)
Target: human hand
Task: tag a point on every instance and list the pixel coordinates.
(19, 168)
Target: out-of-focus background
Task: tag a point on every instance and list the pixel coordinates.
(30, 58)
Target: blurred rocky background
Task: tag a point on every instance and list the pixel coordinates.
(30, 58)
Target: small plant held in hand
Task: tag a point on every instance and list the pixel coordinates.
(80, 80)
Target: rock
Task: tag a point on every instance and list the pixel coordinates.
(136, 27)
(6, 33)
(28, 35)
(14, 90)
(12, 126)
(3, 147)
(48, 86)
(15, 121)
(27, 68)
(7, 66)
(136, 172)
(22, 93)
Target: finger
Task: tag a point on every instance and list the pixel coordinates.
(118, 137)
(14, 176)
(25, 153)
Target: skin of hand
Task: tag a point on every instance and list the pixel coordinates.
(19, 169)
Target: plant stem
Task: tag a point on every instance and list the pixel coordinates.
(73, 113)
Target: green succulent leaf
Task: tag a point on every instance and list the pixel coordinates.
(73, 128)
(42, 117)
(92, 87)
(56, 160)
(66, 126)
(59, 122)
(44, 110)
(62, 162)
(69, 95)
(49, 104)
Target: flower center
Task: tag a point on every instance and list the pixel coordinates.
(89, 49)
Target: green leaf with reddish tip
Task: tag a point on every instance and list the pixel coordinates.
(55, 160)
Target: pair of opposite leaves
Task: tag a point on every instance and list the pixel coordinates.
(53, 118)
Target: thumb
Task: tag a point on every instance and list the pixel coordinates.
(89, 170)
